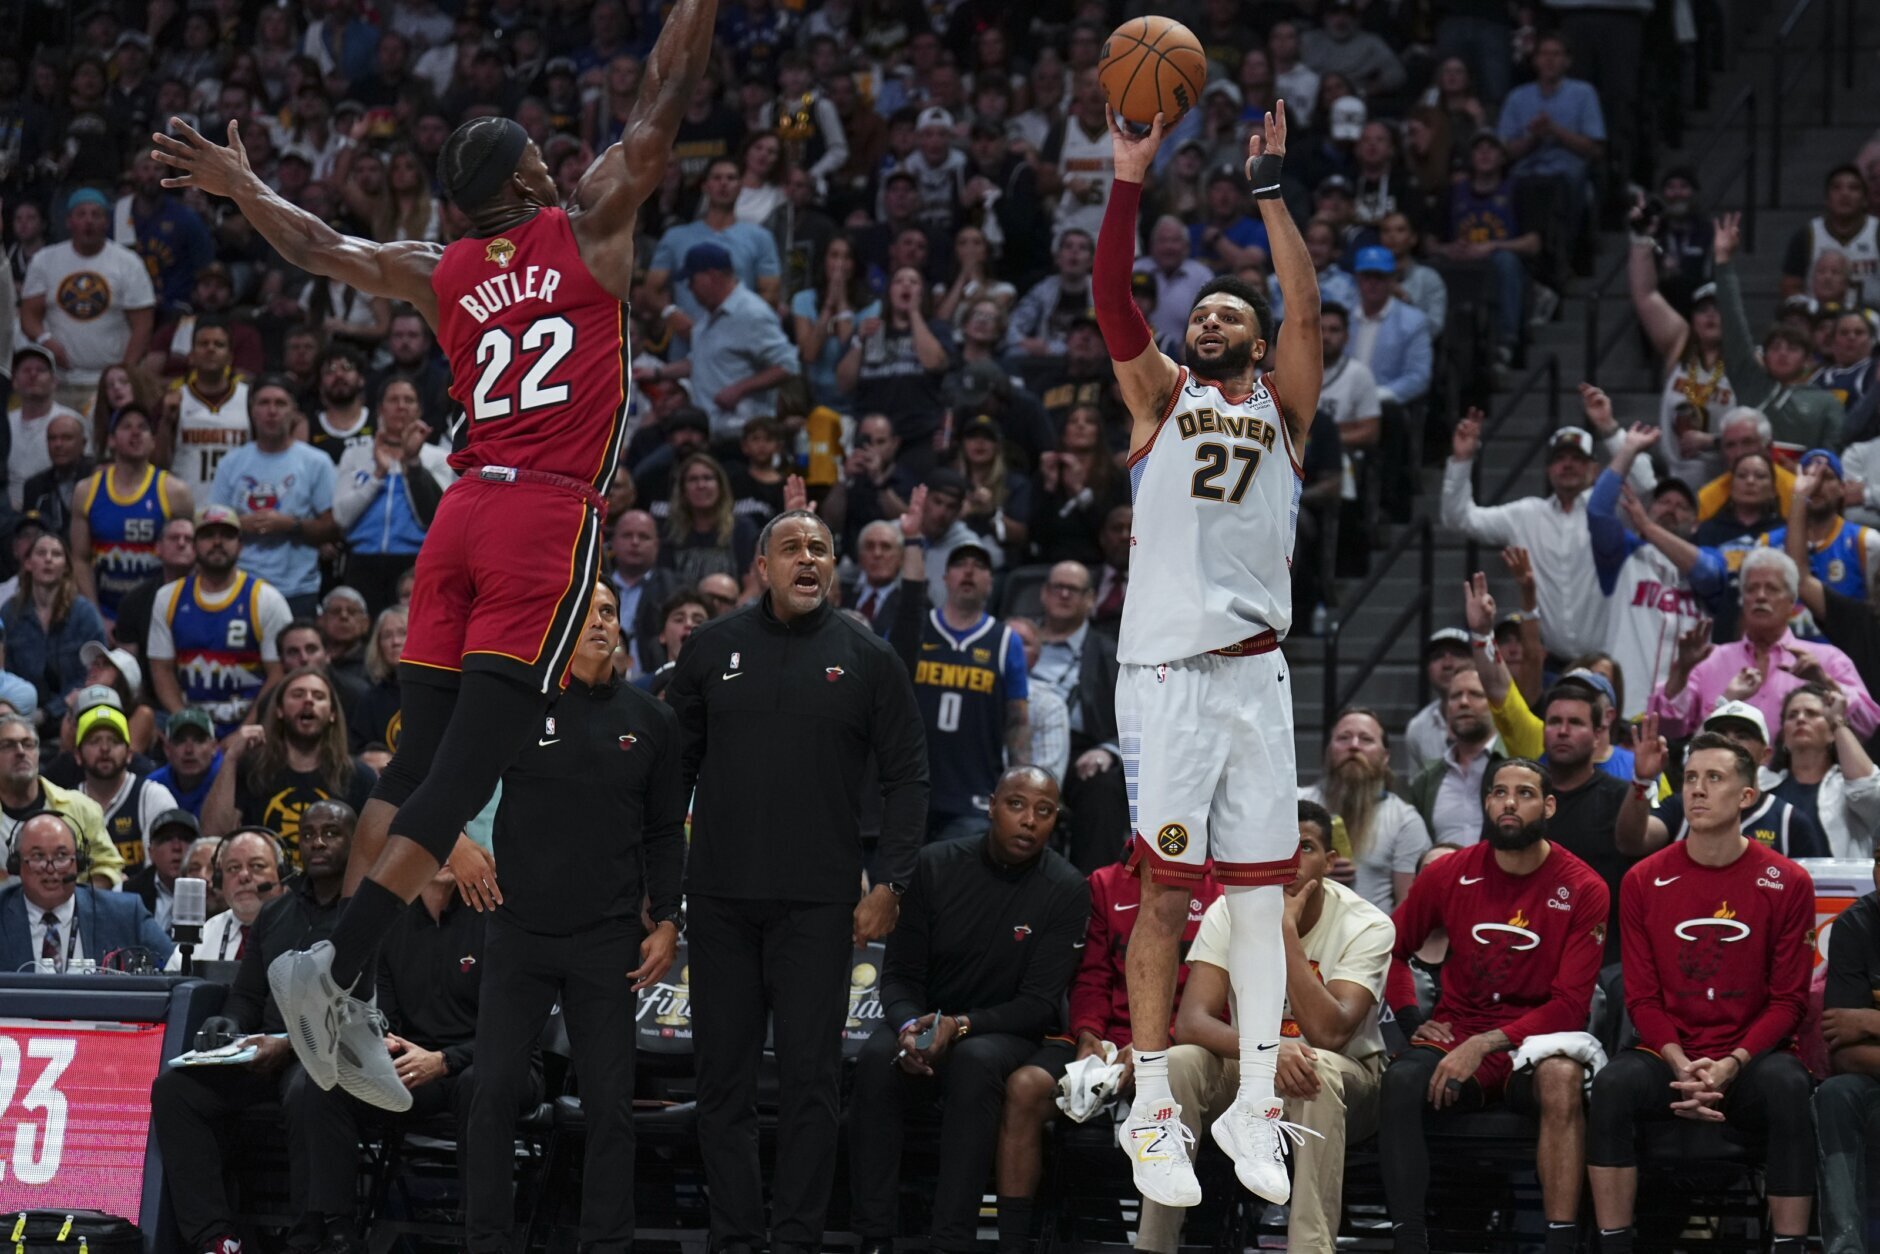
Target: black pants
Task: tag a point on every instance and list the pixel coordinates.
(523, 975)
(189, 1107)
(1403, 1113)
(1099, 809)
(331, 1121)
(786, 963)
(970, 1076)
(1771, 1098)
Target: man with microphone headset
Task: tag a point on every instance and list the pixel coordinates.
(249, 868)
(44, 913)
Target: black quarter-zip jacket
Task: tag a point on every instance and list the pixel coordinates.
(777, 722)
(593, 814)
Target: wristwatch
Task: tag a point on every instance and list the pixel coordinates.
(897, 889)
(962, 1027)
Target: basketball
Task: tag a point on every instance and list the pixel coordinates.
(1151, 65)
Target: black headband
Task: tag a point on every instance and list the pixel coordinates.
(494, 170)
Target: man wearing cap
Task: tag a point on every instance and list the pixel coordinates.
(1552, 528)
(1387, 335)
(87, 301)
(1484, 225)
(1426, 736)
(1843, 555)
(17, 694)
(942, 530)
(212, 632)
(1178, 277)
(193, 758)
(282, 491)
(165, 845)
(938, 168)
(739, 353)
(750, 248)
(166, 233)
(1341, 47)
(1772, 822)
(130, 802)
(971, 682)
(35, 381)
(1650, 601)
(24, 792)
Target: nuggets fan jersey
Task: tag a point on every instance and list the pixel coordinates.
(1840, 562)
(1863, 255)
(1216, 493)
(218, 648)
(962, 683)
(538, 351)
(204, 432)
(124, 532)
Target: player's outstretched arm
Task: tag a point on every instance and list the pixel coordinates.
(1298, 362)
(610, 194)
(399, 271)
(1144, 372)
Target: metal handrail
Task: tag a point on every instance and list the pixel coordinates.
(1422, 532)
(1599, 346)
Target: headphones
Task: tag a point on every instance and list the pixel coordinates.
(81, 852)
(281, 868)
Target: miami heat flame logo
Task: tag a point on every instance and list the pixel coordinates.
(1516, 926)
(500, 252)
(1729, 928)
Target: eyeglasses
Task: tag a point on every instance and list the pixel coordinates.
(50, 862)
(19, 744)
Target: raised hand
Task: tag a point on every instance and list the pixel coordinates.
(1521, 566)
(1693, 646)
(211, 167)
(1270, 139)
(1634, 510)
(1597, 407)
(1649, 754)
(1729, 234)
(1743, 685)
(1468, 437)
(1478, 604)
(916, 509)
(1132, 152)
(1640, 436)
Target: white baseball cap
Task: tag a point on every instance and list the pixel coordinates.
(126, 665)
(1742, 711)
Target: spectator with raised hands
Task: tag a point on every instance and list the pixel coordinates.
(1649, 600)
(1777, 662)
(1552, 528)
(1697, 393)
(1800, 416)
(1843, 555)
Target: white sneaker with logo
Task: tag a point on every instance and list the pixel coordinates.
(1255, 1137)
(1157, 1143)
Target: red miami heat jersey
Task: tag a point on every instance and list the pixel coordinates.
(1524, 950)
(538, 351)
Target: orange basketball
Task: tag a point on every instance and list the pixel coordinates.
(1151, 65)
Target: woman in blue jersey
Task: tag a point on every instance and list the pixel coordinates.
(48, 625)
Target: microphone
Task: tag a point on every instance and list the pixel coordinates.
(264, 887)
(68, 879)
(189, 909)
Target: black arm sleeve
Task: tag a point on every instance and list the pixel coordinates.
(910, 611)
(421, 486)
(904, 971)
(901, 754)
(1037, 1006)
(662, 840)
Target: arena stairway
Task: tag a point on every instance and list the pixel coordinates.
(1808, 149)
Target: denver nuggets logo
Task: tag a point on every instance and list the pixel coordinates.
(1172, 840)
(392, 730)
(84, 295)
(500, 252)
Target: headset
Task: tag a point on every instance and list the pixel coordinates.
(81, 852)
(281, 867)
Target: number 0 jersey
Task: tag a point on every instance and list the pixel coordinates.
(1216, 496)
(538, 351)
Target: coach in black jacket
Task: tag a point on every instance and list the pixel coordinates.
(779, 707)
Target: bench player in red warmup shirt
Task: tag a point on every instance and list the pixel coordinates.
(530, 307)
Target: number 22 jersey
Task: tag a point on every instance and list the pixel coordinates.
(1216, 497)
(538, 351)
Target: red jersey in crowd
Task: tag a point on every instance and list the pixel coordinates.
(1524, 950)
(538, 351)
(1716, 958)
(1100, 991)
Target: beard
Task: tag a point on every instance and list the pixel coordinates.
(1234, 358)
(1353, 790)
(1515, 841)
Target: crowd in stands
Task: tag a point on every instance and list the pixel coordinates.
(866, 284)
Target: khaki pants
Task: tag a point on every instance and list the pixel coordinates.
(1345, 1110)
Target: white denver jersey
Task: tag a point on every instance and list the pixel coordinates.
(204, 432)
(1863, 256)
(1650, 606)
(1216, 495)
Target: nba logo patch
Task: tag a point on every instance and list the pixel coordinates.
(500, 252)
(550, 729)
(734, 660)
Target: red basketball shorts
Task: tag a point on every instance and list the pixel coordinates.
(503, 582)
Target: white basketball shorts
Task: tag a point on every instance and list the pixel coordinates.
(1208, 757)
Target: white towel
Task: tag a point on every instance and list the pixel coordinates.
(1089, 1083)
(1583, 1047)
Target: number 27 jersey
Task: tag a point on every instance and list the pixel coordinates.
(538, 351)
(1216, 498)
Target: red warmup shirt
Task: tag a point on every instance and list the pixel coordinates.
(538, 351)
(1100, 992)
(1524, 950)
(1716, 958)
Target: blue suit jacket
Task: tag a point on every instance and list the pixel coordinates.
(106, 921)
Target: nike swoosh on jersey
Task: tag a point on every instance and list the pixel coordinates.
(1120, 906)
(1658, 883)
(543, 744)
(733, 675)
(1464, 879)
